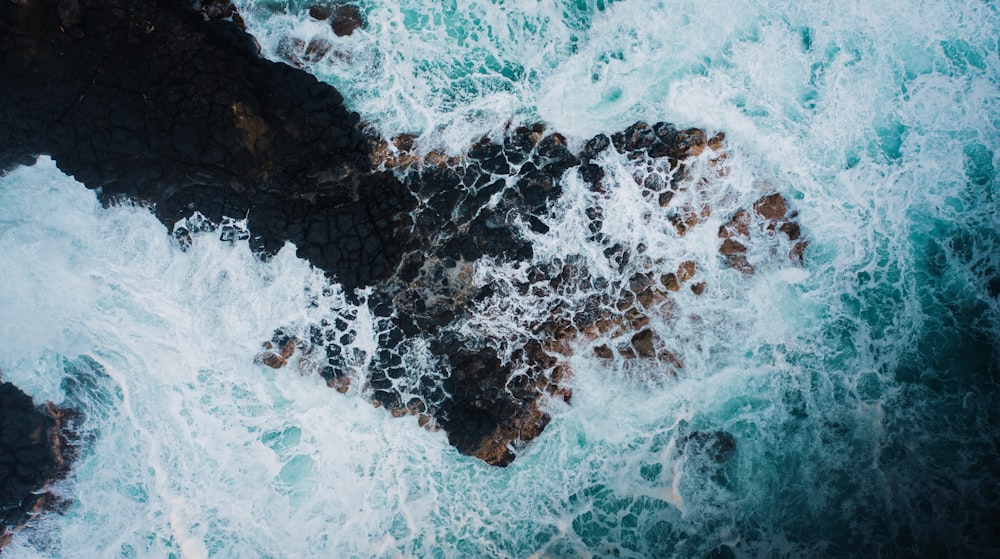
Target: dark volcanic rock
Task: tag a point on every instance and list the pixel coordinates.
(344, 18)
(149, 99)
(170, 103)
(34, 451)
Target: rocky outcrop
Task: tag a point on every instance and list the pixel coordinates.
(171, 104)
(489, 393)
(770, 216)
(35, 450)
(155, 101)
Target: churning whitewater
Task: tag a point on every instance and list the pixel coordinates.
(857, 386)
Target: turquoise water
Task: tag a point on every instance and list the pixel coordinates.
(860, 388)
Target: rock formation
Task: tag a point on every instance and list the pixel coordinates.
(490, 393)
(172, 105)
(152, 100)
(35, 450)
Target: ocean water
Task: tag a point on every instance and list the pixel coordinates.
(860, 387)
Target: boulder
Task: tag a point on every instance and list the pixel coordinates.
(771, 206)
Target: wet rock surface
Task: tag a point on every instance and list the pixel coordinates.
(770, 216)
(491, 392)
(172, 105)
(35, 450)
(159, 102)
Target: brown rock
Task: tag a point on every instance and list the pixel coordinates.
(316, 50)
(671, 360)
(665, 198)
(340, 384)
(738, 225)
(693, 142)
(277, 351)
(715, 142)
(643, 344)
(212, 9)
(670, 282)
(436, 158)
(604, 352)
(404, 142)
(698, 288)
(791, 229)
(287, 347)
(646, 298)
(290, 49)
(741, 263)
(771, 206)
(640, 282)
(730, 247)
(684, 221)
(272, 360)
(686, 270)
(797, 251)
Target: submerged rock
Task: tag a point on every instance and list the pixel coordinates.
(720, 446)
(770, 215)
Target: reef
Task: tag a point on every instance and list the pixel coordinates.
(173, 106)
(35, 451)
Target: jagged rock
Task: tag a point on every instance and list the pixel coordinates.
(730, 247)
(152, 101)
(665, 198)
(642, 343)
(345, 19)
(35, 450)
(670, 282)
(604, 352)
(316, 50)
(277, 351)
(685, 220)
(738, 225)
(791, 229)
(173, 105)
(686, 270)
(482, 417)
(772, 216)
(798, 251)
(212, 9)
(771, 206)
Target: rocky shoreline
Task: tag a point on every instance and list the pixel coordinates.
(161, 103)
(36, 450)
(490, 393)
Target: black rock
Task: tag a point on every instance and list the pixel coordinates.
(35, 450)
